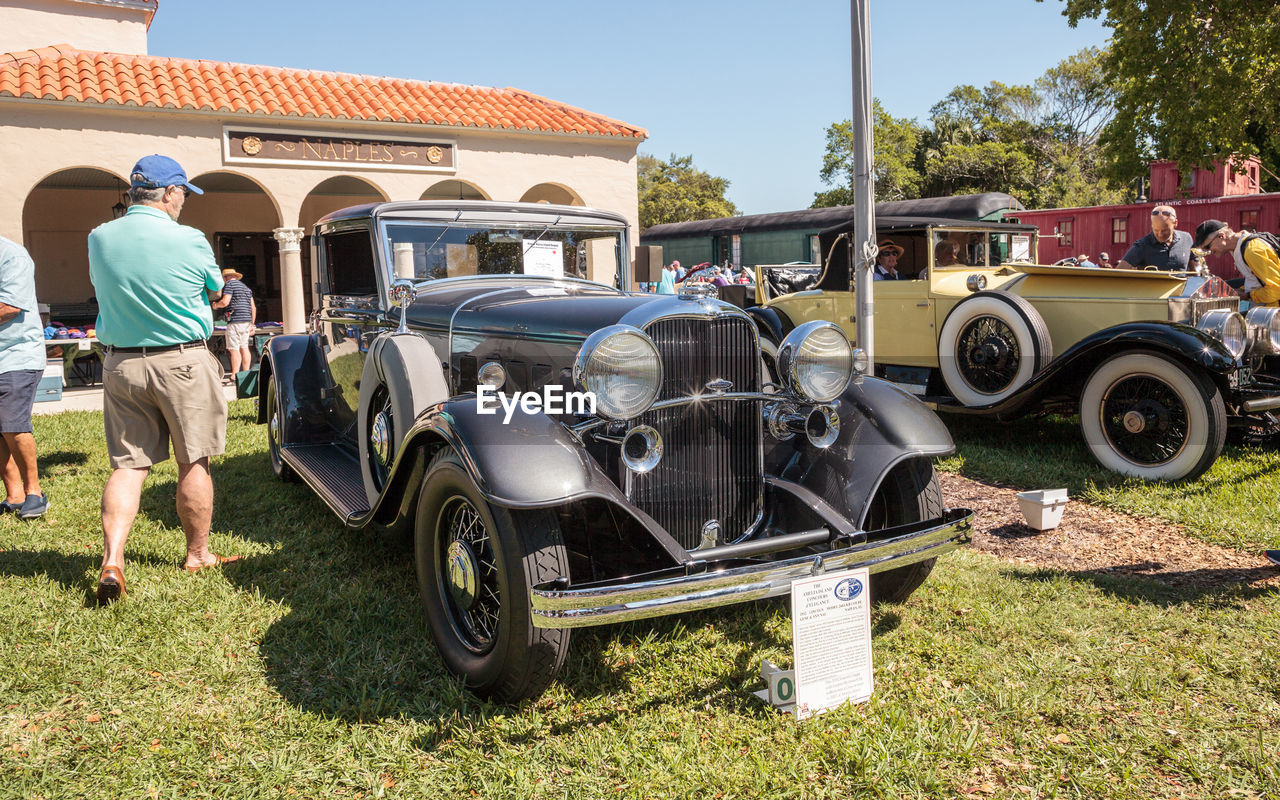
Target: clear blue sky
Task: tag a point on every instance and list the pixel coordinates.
(747, 88)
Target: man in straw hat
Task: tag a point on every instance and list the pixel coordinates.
(241, 312)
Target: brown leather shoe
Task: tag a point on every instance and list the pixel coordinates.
(220, 561)
(110, 585)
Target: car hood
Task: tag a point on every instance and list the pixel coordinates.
(532, 311)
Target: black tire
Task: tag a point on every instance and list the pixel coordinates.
(1148, 416)
(909, 493)
(401, 377)
(275, 429)
(990, 345)
(485, 635)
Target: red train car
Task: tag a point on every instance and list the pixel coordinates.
(1217, 193)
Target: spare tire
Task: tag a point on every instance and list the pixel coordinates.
(402, 376)
(990, 345)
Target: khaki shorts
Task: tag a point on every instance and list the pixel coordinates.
(150, 398)
(238, 335)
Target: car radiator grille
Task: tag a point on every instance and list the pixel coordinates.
(711, 465)
(1203, 305)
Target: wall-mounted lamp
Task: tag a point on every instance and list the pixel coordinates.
(117, 211)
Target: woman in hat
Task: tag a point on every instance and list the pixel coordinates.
(887, 261)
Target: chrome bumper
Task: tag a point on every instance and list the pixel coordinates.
(680, 590)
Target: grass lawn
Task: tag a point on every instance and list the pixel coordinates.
(305, 672)
(1235, 504)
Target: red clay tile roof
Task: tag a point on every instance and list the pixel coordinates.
(61, 72)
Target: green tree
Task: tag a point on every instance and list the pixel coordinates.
(1195, 81)
(1038, 142)
(677, 191)
(894, 168)
(1077, 101)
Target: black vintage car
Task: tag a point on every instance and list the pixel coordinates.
(567, 454)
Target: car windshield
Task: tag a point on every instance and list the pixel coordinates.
(425, 252)
(958, 248)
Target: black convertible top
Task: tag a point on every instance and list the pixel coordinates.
(885, 224)
(960, 208)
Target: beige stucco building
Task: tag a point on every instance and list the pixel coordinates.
(274, 149)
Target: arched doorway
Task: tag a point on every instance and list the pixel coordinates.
(336, 193)
(454, 190)
(328, 196)
(239, 216)
(57, 216)
(552, 193)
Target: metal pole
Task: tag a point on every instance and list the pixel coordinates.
(864, 190)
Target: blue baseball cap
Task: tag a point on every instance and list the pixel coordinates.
(158, 172)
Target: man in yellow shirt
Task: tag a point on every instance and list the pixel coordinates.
(1257, 257)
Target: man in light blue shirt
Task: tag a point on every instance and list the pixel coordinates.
(21, 365)
(154, 279)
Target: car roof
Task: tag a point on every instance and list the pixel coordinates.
(477, 211)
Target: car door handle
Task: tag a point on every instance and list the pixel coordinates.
(922, 305)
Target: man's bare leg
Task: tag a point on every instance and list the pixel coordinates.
(195, 509)
(15, 493)
(120, 501)
(235, 362)
(22, 446)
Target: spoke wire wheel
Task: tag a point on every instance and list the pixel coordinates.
(1144, 419)
(990, 345)
(1145, 415)
(476, 564)
(468, 575)
(988, 355)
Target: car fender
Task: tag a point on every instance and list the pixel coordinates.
(881, 426)
(298, 364)
(773, 324)
(1061, 380)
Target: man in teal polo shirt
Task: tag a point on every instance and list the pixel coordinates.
(154, 279)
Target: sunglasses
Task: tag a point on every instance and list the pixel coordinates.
(1158, 213)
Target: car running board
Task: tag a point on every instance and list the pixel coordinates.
(333, 471)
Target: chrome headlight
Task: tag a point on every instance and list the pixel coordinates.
(621, 367)
(1264, 330)
(816, 361)
(1226, 326)
(860, 361)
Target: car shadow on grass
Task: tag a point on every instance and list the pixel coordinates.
(1209, 587)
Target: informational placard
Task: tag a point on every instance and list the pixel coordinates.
(831, 635)
(1020, 248)
(543, 258)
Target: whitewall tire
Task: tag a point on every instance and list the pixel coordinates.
(990, 345)
(1148, 416)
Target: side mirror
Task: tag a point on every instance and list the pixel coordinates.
(402, 295)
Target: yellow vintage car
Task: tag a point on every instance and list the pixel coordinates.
(1158, 365)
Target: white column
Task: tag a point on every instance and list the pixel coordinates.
(402, 259)
(292, 306)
